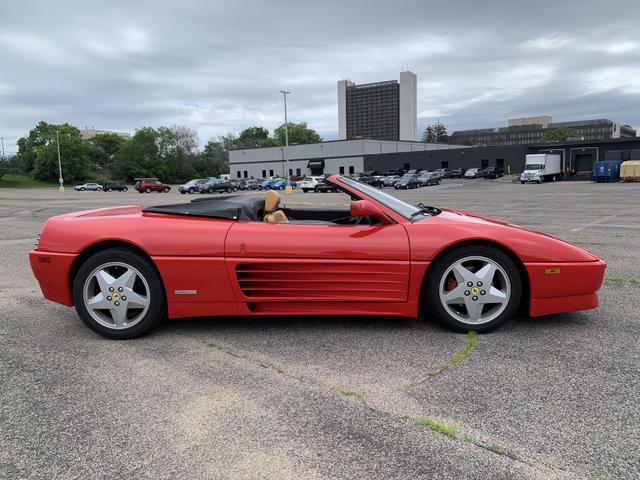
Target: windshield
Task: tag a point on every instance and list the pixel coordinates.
(534, 166)
(398, 206)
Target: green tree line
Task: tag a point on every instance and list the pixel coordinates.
(169, 153)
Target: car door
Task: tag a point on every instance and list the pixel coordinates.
(281, 263)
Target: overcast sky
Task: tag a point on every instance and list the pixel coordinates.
(218, 66)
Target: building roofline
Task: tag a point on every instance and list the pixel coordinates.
(332, 141)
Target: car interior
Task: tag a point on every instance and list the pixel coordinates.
(268, 209)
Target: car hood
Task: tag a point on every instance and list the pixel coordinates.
(434, 234)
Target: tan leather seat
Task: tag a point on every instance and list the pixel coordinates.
(272, 212)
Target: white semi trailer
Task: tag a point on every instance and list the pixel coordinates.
(541, 167)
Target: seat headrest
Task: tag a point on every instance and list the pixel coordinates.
(271, 201)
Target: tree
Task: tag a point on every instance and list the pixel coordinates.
(299, 133)
(429, 135)
(40, 135)
(254, 137)
(215, 156)
(436, 133)
(73, 155)
(110, 144)
(558, 135)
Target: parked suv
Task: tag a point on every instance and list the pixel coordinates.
(216, 185)
(192, 186)
(309, 183)
(148, 185)
(110, 186)
(429, 178)
(492, 172)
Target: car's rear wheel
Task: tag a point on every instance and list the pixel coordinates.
(118, 295)
(476, 288)
(191, 191)
(305, 190)
(166, 190)
(147, 190)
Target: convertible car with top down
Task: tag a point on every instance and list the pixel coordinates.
(125, 269)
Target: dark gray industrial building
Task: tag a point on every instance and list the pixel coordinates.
(578, 156)
(530, 130)
(353, 156)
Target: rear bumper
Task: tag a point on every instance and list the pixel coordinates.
(52, 272)
(564, 286)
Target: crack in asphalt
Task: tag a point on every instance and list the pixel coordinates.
(353, 396)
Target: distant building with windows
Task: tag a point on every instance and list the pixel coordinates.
(378, 111)
(89, 133)
(530, 130)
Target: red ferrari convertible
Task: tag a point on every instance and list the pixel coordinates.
(127, 268)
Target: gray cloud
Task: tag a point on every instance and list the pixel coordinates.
(218, 66)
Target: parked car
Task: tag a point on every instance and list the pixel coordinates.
(457, 173)
(472, 272)
(444, 172)
(88, 186)
(269, 183)
(409, 180)
(281, 184)
(111, 186)
(492, 172)
(192, 186)
(147, 185)
(216, 185)
(472, 173)
(248, 184)
(324, 187)
(374, 181)
(309, 183)
(429, 178)
(391, 180)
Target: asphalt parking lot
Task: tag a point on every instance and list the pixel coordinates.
(238, 398)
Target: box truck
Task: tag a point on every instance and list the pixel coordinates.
(541, 167)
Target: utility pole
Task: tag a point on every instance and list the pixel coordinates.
(2, 139)
(59, 162)
(288, 188)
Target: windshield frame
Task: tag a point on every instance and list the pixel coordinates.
(403, 209)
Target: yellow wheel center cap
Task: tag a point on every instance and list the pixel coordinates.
(475, 290)
(116, 295)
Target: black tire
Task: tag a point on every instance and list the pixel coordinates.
(316, 189)
(305, 190)
(191, 191)
(431, 296)
(125, 189)
(99, 189)
(521, 182)
(157, 308)
(108, 189)
(82, 189)
(166, 190)
(147, 190)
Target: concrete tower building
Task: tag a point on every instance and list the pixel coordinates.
(381, 111)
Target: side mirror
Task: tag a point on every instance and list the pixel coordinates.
(364, 208)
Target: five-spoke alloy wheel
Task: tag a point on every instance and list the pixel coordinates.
(118, 294)
(473, 288)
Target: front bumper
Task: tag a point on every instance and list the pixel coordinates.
(564, 286)
(52, 272)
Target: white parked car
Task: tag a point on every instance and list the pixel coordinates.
(309, 183)
(472, 173)
(88, 186)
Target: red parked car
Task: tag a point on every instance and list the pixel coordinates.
(148, 185)
(127, 268)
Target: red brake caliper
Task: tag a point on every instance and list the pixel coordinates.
(451, 284)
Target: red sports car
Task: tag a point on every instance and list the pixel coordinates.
(127, 268)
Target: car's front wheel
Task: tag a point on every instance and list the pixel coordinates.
(147, 190)
(118, 294)
(476, 288)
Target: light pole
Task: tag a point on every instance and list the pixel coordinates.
(288, 188)
(59, 162)
(2, 138)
